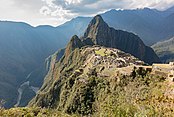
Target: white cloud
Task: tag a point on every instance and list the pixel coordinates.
(55, 12)
(45, 10)
(158, 4)
(92, 7)
(67, 2)
(28, 11)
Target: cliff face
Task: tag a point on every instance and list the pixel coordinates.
(99, 33)
(74, 43)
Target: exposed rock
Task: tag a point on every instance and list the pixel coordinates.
(74, 43)
(101, 34)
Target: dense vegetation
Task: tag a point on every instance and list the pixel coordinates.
(140, 94)
(31, 112)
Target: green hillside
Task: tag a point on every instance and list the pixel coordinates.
(165, 50)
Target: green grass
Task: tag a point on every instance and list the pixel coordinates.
(32, 112)
(101, 52)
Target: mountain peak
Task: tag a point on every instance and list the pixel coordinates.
(74, 43)
(99, 33)
(97, 19)
(74, 38)
(96, 27)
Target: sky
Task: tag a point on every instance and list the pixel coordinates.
(56, 12)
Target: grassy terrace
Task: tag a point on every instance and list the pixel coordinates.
(102, 52)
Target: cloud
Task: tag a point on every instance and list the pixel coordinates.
(65, 8)
(28, 11)
(158, 4)
(55, 12)
(45, 10)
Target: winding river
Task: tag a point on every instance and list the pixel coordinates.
(22, 87)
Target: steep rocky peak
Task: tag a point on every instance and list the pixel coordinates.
(97, 20)
(99, 33)
(96, 27)
(74, 43)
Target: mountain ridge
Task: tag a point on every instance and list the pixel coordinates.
(101, 34)
(165, 50)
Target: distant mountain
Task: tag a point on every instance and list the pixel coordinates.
(167, 27)
(23, 50)
(149, 24)
(75, 26)
(169, 11)
(165, 50)
(143, 22)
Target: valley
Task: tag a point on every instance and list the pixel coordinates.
(33, 45)
(119, 63)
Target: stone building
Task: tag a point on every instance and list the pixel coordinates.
(166, 70)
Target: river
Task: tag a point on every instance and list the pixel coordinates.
(22, 87)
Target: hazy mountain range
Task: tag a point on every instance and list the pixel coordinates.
(23, 48)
